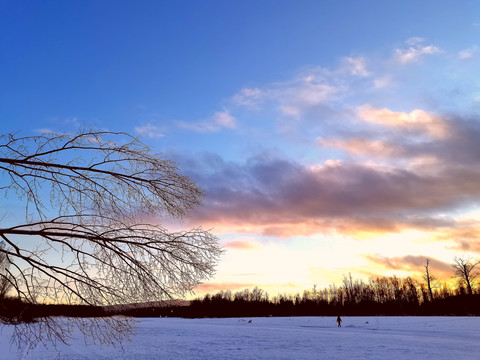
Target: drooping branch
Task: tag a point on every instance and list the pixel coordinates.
(132, 262)
(85, 239)
(90, 172)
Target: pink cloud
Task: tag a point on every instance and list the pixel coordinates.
(274, 194)
(212, 287)
(242, 245)
(362, 147)
(425, 176)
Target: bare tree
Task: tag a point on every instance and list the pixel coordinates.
(5, 285)
(92, 234)
(429, 278)
(466, 270)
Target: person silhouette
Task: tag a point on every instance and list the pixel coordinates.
(339, 321)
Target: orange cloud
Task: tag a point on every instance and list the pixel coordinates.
(412, 263)
(465, 236)
(363, 147)
(242, 245)
(416, 121)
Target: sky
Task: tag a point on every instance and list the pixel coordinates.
(330, 137)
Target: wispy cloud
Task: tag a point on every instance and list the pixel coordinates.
(218, 121)
(468, 53)
(149, 131)
(356, 66)
(382, 82)
(415, 51)
(310, 88)
(250, 97)
(317, 92)
(45, 131)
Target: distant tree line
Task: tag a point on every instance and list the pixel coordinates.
(391, 295)
(378, 296)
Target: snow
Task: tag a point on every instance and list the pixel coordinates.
(281, 338)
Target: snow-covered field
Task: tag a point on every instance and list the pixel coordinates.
(282, 338)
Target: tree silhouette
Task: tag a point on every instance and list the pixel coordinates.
(465, 269)
(5, 284)
(429, 278)
(90, 231)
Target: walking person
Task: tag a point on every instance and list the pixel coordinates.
(339, 321)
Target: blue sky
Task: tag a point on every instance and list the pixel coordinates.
(334, 136)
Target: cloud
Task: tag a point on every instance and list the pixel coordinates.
(319, 95)
(463, 235)
(249, 97)
(224, 119)
(418, 179)
(468, 245)
(314, 94)
(415, 51)
(242, 245)
(396, 170)
(281, 197)
(310, 88)
(218, 121)
(468, 53)
(356, 66)
(415, 121)
(382, 82)
(150, 131)
(45, 131)
(415, 41)
(362, 147)
(412, 263)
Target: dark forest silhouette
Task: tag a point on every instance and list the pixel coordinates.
(387, 296)
(379, 296)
